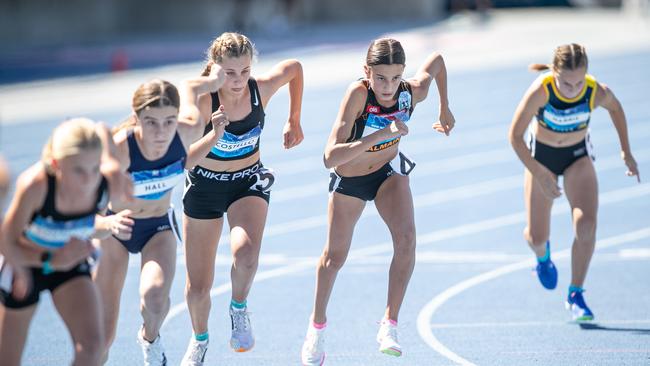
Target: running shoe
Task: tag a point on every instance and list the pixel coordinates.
(313, 350)
(242, 339)
(195, 353)
(387, 338)
(153, 352)
(580, 312)
(546, 271)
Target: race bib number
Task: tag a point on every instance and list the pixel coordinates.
(263, 180)
(402, 164)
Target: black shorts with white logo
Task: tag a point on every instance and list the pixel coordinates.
(365, 187)
(558, 159)
(40, 282)
(208, 194)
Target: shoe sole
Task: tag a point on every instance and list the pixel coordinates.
(583, 319)
(391, 352)
(322, 361)
(552, 286)
(242, 349)
(579, 319)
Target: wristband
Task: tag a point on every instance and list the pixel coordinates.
(46, 257)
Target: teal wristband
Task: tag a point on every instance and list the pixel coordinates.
(45, 260)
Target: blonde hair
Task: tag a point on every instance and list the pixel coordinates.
(228, 44)
(566, 57)
(154, 93)
(70, 138)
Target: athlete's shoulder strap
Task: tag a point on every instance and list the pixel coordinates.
(48, 206)
(134, 151)
(215, 101)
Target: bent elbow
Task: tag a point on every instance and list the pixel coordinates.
(327, 161)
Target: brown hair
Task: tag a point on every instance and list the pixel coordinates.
(566, 57)
(5, 177)
(70, 138)
(385, 51)
(154, 93)
(228, 44)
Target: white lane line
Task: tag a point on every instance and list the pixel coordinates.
(427, 239)
(446, 257)
(428, 199)
(455, 164)
(296, 267)
(529, 324)
(635, 253)
(427, 145)
(429, 257)
(427, 312)
(423, 200)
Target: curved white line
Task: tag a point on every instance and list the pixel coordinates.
(429, 238)
(424, 317)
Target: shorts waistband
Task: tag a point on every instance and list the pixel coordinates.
(201, 172)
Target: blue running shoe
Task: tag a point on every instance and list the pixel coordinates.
(546, 271)
(580, 312)
(242, 339)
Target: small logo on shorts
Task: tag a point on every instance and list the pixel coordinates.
(579, 152)
(162, 228)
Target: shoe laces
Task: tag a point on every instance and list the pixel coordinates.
(389, 331)
(578, 299)
(197, 351)
(314, 342)
(153, 350)
(240, 320)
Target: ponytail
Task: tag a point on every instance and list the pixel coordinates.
(129, 122)
(539, 67)
(566, 57)
(206, 70)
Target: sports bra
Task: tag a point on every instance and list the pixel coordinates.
(52, 229)
(152, 179)
(563, 115)
(376, 117)
(241, 139)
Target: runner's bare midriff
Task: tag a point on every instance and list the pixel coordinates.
(143, 208)
(556, 139)
(229, 165)
(367, 162)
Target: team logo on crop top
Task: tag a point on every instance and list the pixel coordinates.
(378, 121)
(155, 183)
(566, 120)
(49, 233)
(231, 145)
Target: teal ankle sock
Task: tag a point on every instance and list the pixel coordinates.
(201, 337)
(547, 255)
(573, 288)
(237, 305)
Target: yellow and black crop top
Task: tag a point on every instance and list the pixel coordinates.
(563, 115)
